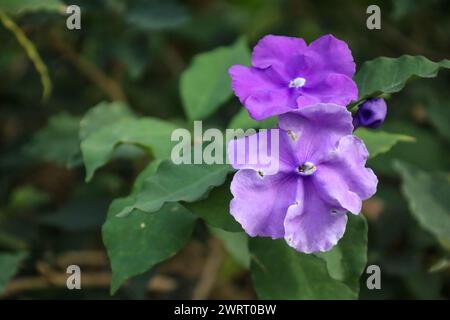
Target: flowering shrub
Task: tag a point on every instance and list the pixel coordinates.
(345, 180)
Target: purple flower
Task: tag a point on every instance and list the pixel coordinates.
(287, 74)
(321, 176)
(371, 114)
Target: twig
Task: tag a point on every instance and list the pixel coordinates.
(50, 278)
(209, 272)
(89, 69)
(31, 52)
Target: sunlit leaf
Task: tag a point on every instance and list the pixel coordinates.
(205, 85)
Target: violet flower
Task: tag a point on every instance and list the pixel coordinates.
(287, 74)
(321, 176)
(371, 114)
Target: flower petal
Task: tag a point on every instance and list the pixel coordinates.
(310, 226)
(261, 91)
(348, 161)
(268, 152)
(334, 88)
(277, 51)
(334, 54)
(260, 203)
(333, 188)
(318, 129)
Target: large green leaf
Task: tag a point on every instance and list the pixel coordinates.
(57, 142)
(173, 183)
(280, 272)
(20, 6)
(428, 198)
(379, 141)
(347, 260)
(389, 75)
(439, 115)
(215, 209)
(149, 133)
(139, 241)
(9, 264)
(103, 114)
(428, 152)
(205, 84)
(236, 243)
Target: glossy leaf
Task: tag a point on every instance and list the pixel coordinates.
(280, 272)
(205, 85)
(428, 199)
(149, 133)
(378, 142)
(138, 242)
(389, 75)
(347, 260)
(9, 264)
(173, 183)
(103, 114)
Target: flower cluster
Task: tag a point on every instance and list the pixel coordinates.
(321, 173)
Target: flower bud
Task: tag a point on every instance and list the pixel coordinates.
(371, 114)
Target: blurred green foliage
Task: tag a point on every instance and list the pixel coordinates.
(123, 71)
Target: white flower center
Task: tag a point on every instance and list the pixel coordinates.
(297, 82)
(307, 169)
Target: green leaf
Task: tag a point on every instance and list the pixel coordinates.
(243, 121)
(139, 241)
(173, 183)
(21, 6)
(389, 75)
(103, 114)
(215, 209)
(428, 199)
(9, 264)
(440, 118)
(151, 134)
(347, 260)
(428, 152)
(280, 272)
(378, 142)
(152, 15)
(57, 142)
(236, 243)
(205, 84)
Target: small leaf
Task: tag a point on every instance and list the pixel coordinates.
(236, 243)
(21, 6)
(347, 260)
(378, 142)
(440, 118)
(103, 114)
(57, 142)
(205, 84)
(9, 264)
(389, 75)
(428, 199)
(152, 134)
(280, 272)
(152, 15)
(138, 242)
(173, 183)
